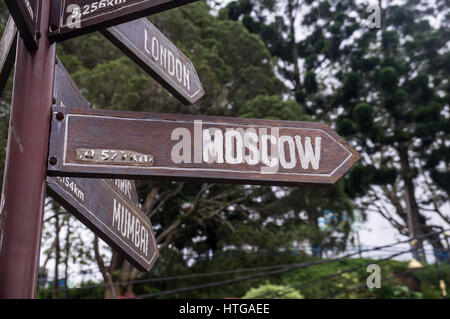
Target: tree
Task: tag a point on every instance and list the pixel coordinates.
(386, 89)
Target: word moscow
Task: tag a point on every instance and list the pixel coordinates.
(250, 146)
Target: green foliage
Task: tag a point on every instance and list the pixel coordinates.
(273, 108)
(363, 115)
(398, 292)
(388, 79)
(268, 291)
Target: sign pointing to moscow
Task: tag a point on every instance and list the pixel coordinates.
(154, 53)
(72, 18)
(115, 144)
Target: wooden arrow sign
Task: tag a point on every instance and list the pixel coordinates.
(110, 208)
(154, 53)
(104, 208)
(118, 144)
(72, 18)
(26, 16)
(7, 52)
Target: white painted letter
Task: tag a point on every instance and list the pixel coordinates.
(181, 152)
(212, 150)
(282, 154)
(251, 141)
(306, 154)
(231, 135)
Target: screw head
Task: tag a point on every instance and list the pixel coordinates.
(53, 160)
(59, 116)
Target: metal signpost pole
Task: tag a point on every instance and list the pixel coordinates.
(23, 194)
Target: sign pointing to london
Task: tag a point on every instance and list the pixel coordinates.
(116, 144)
(154, 53)
(110, 208)
(26, 16)
(72, 18)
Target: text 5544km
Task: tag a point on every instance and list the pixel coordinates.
(228, 308)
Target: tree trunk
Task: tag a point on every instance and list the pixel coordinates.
(416, 222)
(57, 255)
(292, 36)
(66, 259)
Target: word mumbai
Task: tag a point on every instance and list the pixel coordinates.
(131, 226)
(230, 146)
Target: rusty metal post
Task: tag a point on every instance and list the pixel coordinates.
(23, 193)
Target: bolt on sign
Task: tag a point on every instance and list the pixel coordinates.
(117, 144)
(108, 207)
(154, 53)
(7, 52)
(26, 16)
(72, 18)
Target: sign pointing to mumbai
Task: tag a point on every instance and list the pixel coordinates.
(116, 144)
(154, 53)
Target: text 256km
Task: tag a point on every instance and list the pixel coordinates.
(79, 12)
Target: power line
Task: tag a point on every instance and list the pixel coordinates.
(287, 267)
(386, 279)
(282, 293)
(294, 267)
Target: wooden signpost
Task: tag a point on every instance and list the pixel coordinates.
(7, 52)
(26, 15)
(117, 144)
(86, 144)
(72, 18)
(110, 208)
(154, 53)
(23, 193)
